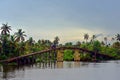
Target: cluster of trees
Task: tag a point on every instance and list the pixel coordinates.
(93, 44)
(16, 45)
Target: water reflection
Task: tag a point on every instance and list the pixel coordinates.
(76, 64)
(59, 64)
(59, 69)
(7, 71)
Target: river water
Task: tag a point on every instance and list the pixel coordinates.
(109, 70)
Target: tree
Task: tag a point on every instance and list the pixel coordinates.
(19, 36)
(93, 37)
(48, 43)
(78, 43)
(31, 41)
(116, 45)
(12, 46)
(39, 42)
(102, 43)
(96, 46)
(56, 41)
(68, 44)
(5, 49)
(117, 37)
(86, 36)
(5, 29)
(105, 39)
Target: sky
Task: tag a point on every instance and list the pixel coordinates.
(67, 19)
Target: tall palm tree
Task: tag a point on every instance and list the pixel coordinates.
(56, 40)
(105, 39)
(19, 36)
(5, 29)
(93, 37)
(112, 40)
(86, 37)
(117, 37)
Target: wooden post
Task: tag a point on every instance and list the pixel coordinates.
(76, 55)
(60, 55)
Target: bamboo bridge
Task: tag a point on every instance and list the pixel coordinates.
(57, 54)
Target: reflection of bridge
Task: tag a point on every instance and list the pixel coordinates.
(55, 54)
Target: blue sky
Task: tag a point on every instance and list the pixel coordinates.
(68, 19)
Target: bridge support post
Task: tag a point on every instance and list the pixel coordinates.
(60, 55)
(76, 55)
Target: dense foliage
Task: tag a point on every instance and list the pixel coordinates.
(16, 45)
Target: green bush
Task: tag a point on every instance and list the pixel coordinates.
(68, 55)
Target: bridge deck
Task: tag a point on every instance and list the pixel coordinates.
(48, 50)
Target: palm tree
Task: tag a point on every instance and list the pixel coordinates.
(93, 37)
(112, 40)
(5, 29)
(86, 36)
(56, 40)
(105, 39)
(31, 41)
(39, 42)
(117, 37)
(19, 36)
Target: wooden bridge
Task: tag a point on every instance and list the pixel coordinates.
(56, 54)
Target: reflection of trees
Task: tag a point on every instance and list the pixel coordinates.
(10, 72)
(43, 65)
(84, 64)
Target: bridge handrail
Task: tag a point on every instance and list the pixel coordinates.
(58, 48)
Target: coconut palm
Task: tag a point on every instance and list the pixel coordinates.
(56, 40)
(39, 41)
(5, 29)
(117, 37)
(105, 39)
(19, 36)
(86, 36)
(93, 37)
(31, 41)
(112, 40)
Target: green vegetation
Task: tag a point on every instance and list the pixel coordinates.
(12, 45)
(68, 55)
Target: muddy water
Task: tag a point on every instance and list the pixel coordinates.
(109, 70)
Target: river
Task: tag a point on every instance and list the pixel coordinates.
(109, 70)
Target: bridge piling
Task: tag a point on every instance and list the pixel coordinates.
(76, 55)
(60, 55)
